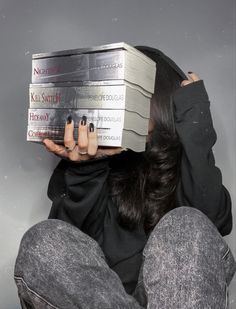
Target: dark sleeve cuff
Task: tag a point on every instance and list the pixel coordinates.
(187, 96)
(88, 166)
(57, 184)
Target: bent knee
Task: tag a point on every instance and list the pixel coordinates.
(43, 234)
(39, 244)
(186, 225)
(51, 242)
(54, 233)
(188, 220)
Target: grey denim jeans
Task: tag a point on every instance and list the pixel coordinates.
(186, 264)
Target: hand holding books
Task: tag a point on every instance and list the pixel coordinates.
(85, 148)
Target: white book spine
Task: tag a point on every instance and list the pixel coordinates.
(97, 66)
(102, 118)
(106, 137)
(95, 97)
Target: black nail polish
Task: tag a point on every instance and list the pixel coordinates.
(190, 72)
(84, 121)
(91, 127)
(69, 119)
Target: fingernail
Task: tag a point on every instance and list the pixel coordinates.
(83, 121)
(190, 72)
(91, 127)
(69, 119)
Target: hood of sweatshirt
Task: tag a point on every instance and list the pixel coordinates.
(154, 54)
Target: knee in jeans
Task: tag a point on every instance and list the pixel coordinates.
(186, 225)
(55, 235)
(51, 240)
(190, 213)
(39, 243)
(189, 219)
(43, 231)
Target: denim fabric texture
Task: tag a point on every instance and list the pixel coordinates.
(186, 264)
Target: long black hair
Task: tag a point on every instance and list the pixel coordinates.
(143, 185)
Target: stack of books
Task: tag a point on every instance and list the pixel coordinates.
(111, 85)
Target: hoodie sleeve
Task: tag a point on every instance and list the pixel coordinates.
(79, 194)
(200, 183)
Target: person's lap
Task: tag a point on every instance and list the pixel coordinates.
(187, 264)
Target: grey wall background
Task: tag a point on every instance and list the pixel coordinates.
(198, 35)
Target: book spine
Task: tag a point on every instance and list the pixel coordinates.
(106, 137)
(58, 117)
(85, 67)
(38, 134)
(102, 118)
(96, 97)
